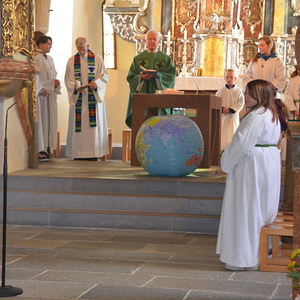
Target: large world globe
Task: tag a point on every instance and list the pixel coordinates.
(170, 145)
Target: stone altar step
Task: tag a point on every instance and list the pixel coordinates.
(69, 193)
(119, 211)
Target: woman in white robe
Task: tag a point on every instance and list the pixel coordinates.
(252, 164)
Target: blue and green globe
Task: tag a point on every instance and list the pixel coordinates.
(170, 145)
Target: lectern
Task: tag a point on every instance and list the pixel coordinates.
(207, 116)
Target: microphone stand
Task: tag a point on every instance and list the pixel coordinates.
(6, 290)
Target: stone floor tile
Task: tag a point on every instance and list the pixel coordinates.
(183, 270)
(215, 284)
(183, 250)
(267, 277)
(103, 245)
(36, 243)
(133, 293)
(150, 240)
(283, 292)
(113, 255)
(73, 264)
(199, 295)
(135, 279)
(56, 290)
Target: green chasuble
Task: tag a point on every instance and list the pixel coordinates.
(158, 61)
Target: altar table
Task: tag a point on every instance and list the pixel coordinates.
(208, 118)
(202, 84)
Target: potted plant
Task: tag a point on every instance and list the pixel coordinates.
(294, 268)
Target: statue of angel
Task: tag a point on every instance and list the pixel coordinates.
(215, 20)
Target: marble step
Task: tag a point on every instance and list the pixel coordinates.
(118, 211)
(154, 186)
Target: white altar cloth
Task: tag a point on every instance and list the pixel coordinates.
(202, 83)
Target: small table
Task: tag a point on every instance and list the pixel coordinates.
(208, 118)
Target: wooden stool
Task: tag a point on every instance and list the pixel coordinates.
(126, 145)
(280, 258)
(110, 145)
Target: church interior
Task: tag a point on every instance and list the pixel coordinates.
(108, 229)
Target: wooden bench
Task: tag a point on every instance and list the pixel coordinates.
(280, 257)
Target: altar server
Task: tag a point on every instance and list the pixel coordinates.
(266, 65)
(232, 103)
(252, 164)
(292, 93)
(148, 82)
(86, 79)
(49, 86)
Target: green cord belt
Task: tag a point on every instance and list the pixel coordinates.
(266, 145)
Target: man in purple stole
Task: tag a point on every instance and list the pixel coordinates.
(86, 79)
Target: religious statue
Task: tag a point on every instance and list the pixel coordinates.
(215, 21)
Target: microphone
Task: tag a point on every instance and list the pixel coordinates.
(196, 85)
(204, 92)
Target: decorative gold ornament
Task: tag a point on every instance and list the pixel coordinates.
(253, 13)
(184, 12)
(17, 27)
(296, 7)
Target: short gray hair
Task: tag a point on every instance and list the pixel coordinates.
(81, 41)
(152, 31)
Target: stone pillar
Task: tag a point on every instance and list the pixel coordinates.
(42, 10)
(279, 18)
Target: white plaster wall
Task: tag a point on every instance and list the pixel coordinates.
(60, 30)
(17, 150)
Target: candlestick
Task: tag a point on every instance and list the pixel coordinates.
(169, 36)
(185, 34)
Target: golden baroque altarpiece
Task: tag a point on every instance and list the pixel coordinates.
(17, 68)
(210, 35)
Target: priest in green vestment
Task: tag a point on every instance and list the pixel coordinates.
(148, 82)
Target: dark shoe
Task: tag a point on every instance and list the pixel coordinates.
(47, 155)
(89, 159)
(42, 157)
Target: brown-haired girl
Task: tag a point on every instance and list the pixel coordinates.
(266, 65)
(252, 164)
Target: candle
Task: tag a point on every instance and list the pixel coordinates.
(185, 34)
(169, 36)
(278, 39)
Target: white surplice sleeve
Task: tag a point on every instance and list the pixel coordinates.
(243, 141)
(101, 78)
(292, 93)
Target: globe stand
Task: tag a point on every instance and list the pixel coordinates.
(6, 290)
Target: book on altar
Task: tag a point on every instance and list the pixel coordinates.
(147, 71)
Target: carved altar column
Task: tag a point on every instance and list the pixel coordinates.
(17, 68)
